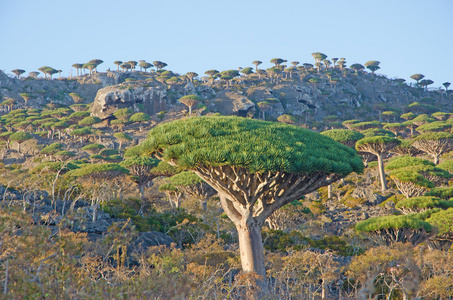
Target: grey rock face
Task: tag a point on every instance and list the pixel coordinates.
(150, 100)
(232, 103)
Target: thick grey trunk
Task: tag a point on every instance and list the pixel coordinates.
(381, 172)
(329, 191)
(251, 248)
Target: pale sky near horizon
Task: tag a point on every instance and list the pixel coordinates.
(406, 36)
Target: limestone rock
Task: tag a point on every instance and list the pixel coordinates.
(232, 103)
(151, 99)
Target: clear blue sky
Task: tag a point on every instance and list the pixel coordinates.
(406, 36)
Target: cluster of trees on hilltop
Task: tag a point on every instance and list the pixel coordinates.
(280, 69)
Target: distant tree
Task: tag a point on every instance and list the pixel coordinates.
(441, 116)
(141, 172)
(393, 229)
(342, 64)
(334, 60)
(247, 71)
(81, 133)
(211, 72)
(139, 118)
(159, 65)
(318, 66)
(277, 61)
(125, 66)
(357, 67)
(96, 62)
(190, 101)
(77, 67)
(264, 106)
(26, 96)
(434, 144)
(349, 123)
(327, 63)
(48, 71)
(64, 155)
(9, 102)
(425, 82)
(193, 185)
(122, 138)
(18, 72)
(93, 148)
(76, 97)
(122, 115)
(19, 137)
(288, 119)
(33, 74)
(256, 63)
(89, 121)
(133, 64)
(372, 65)
(51, 149)
(90, 67)
(395, 128)
(145, 65)
(378, 145)
(446, 85)
(191, 75)
(388, 115)
(417, 77)
(318, 56)
(118, 64)
(4, 136)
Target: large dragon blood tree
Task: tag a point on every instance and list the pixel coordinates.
(255, 166)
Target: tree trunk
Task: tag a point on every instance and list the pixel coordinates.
(381, 172)
(251, 248)
(436, 159)
(329, 191)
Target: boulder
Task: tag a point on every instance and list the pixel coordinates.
(232, 103)
(150, 99)
(150, 239)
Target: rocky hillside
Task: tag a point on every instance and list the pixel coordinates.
(310, 96)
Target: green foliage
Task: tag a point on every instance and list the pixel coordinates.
(88, 121)
(97, 168)
(408, 116)
(20, 136)
(108, 151)
(122, 136)
(93, 148)
(81, 132)
(185, 178)
(139, 117)
(406, 161)
(377, 132)
(424, 202)
(376, 140)
(443, 220)
(278, 240)
(53, 167)
(446, 165)
(258, 146)
(52, 149)
(79, 115)
(434, 136)
(343, 135)
(365, 125)
(441, 192)
(395, 222)
(123, 114)
(139, 161)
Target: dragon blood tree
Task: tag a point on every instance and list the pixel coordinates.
(255, 166)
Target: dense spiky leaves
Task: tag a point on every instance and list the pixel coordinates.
(258, 146)
(394, 222)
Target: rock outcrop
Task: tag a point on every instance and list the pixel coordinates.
(232, 103)
(149, 98)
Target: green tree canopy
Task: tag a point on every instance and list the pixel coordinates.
(232, 154)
